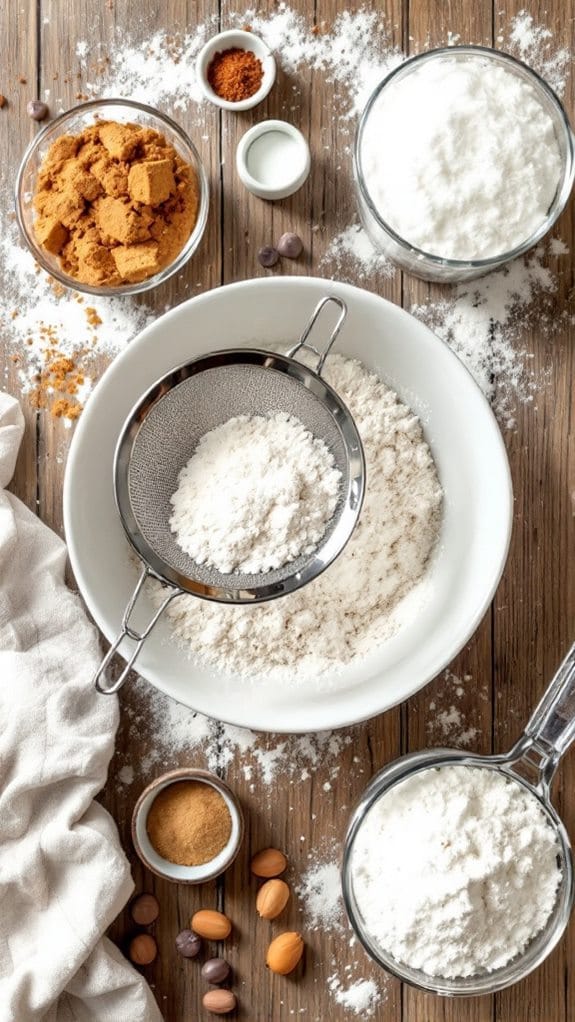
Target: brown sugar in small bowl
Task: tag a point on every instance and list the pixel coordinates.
(74, 122)
(170, 870)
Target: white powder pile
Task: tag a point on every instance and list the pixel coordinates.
(356, 603)
(361, 997)
(460, 158)
(256, 494)
(319, 890)
(455, 871)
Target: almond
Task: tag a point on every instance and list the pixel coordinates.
(284, 953)
(272, 898)
(211, 924)
(269, 863)
(219, 1001)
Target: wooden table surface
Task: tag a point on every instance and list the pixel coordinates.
(522, 637)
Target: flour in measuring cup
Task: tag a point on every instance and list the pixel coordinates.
(455, 871)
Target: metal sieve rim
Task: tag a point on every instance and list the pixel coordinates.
(352, 499)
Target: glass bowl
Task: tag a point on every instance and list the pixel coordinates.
(541, 945)
(425, 264)
(73, 122)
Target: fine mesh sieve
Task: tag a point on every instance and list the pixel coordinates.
(163, 431)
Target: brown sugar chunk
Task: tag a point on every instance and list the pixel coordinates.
(120, 221)
(136, 262)
(151, 182)
(112, 176)
(121, 140)
(51, 234)
(116, 203)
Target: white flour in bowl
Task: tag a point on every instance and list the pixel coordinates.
(455, 870)
(461, 159)
(356, 604)
(257, 492)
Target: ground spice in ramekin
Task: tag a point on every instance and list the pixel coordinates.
(189, 823)
(235, 74)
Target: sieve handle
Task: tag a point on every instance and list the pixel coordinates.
(303, 341)
(128, 632)
(551, 728)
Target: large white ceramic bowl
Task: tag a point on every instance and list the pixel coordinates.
(466, 444)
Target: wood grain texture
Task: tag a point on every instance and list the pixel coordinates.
(509, 660)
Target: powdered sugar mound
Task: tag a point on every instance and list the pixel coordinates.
(481, 323)
(257, 493)
(169, 730)
(361, 997)
(533, 43)
(319, 890)
(351, 255)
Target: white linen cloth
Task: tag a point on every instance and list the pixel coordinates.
(63, 874)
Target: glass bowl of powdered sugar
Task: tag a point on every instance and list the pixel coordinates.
(464, 159)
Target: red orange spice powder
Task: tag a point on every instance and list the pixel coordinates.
(235, 74)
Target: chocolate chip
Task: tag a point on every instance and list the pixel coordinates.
(216, 970)
(268, 256)
(37, 110)
(145, 909)
(188, 944)
(290, 245)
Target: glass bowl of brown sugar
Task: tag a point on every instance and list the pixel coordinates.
(112, 198)
(187, 826)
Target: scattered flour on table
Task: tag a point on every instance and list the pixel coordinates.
(173, 731)
(482, 322)
(319, 890)
(352, 256)
(534, 44)
(448, 724)
(258, 492)
(380, 577)
(455, 870)
(45, 322)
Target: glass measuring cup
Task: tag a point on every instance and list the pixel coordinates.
(531, 763)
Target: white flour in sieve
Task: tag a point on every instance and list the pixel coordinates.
(455, 870)
(257, 492)
(359, 601)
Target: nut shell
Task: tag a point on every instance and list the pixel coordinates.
(211, 924)
(143, 949)
(270, 862)
(220, 1002)
(284, 953)
(272, 898)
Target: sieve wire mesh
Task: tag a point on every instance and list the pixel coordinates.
(168, 436)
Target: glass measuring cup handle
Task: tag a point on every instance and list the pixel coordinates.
(129, 632)
(551, 728)
(303, 341)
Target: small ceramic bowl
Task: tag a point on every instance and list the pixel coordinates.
(171, 870)
(232, 39)
(73, 122)
(278, 170)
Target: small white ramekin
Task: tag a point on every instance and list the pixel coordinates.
(301, 170)
(243, 41)
(171, 870)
